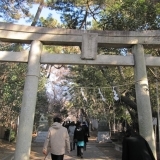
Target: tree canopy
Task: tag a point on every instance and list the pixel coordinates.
(91, 87)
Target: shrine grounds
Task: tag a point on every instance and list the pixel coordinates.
(95, 151)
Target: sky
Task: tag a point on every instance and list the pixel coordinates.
(44, 13)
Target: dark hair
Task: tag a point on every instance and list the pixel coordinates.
(57, 119)
(130, 132)
(72, 123)
(78, 123)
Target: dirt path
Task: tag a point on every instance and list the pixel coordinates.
(7, 149)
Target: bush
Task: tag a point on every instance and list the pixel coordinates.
(12, 136)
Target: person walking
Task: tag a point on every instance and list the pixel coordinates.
(79, 135)
(58, 139)
(71, 130)
(135, 147)
(86, 130)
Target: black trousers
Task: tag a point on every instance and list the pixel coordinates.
(79, 151)
(85, 143)
(57, 157)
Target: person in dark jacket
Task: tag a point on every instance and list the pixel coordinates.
(86, 129)
(79, 135)
(135, 147)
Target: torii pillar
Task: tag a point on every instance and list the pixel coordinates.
(25, 128)
(143, 98)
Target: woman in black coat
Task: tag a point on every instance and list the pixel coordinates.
(79, 136)
(135, 147)
(86, 130)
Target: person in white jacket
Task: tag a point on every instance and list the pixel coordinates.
(58, 139)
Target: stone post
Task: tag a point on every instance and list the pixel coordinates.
(142, 97)
(24, 136)
(89, 46)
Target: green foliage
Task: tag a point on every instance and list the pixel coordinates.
(130, 15)
(14, 10)
(125, 15)
(158, 8)
(12, 135)
(97, 98)
(12, 80)
(74, 13)
(49, 22)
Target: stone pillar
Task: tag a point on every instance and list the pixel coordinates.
(24, 136)
(89, 46)
(142, 97)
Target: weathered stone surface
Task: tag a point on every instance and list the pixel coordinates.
(118, 39)
(143, 98)
(25, 128)
(103, 136)
(41, 136)
(89, 46)
(114, 60)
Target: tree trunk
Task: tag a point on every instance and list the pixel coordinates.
(38, 13)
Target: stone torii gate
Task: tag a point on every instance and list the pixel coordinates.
(89, 41)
